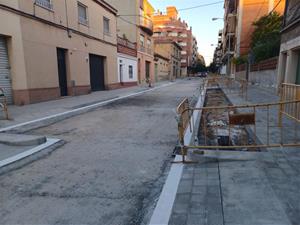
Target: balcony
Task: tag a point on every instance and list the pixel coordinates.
(146, 50)
(146, 24)
(126, 43)
(127, 47)
(231, 23)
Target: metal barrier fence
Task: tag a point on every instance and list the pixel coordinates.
(243, 127)
(229, 85)
(184, 118)
(290, 92)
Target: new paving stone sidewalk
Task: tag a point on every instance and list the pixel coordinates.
(241, 188)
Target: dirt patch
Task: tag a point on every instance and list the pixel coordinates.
(214, 128)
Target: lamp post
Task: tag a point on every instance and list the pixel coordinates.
(216, 18)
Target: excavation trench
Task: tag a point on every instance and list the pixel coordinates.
(214, 129)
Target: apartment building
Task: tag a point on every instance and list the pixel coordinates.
(238, 26)
(194, 51)
(170, 27)
(54, 48)
(135, 25)
(289, 59)
(172, 52)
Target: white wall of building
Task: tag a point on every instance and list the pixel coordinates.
(126, 62)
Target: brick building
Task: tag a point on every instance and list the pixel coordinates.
(238, 26)
(170, 27)
(171, 51)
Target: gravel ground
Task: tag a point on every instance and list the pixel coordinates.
(110, 171)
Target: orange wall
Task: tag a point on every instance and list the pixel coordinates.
(159, 20)
(252, 11)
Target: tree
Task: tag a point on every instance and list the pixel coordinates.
(213, 67)
(266, 37)
(199, 67)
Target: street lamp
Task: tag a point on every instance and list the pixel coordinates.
(216, 18)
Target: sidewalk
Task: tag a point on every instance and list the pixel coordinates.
(27, 113)
(241, 188)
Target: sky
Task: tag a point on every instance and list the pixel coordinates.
(205, 30)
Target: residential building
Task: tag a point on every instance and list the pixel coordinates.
(170, 27)
(289, 59)
(161, 65)
(127, 63)
(238, 26)
(171, 51)
(54, 48)
(194, 51)
(134, 24)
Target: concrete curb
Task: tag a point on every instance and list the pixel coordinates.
(30, 155)
(164, 206)
(45, 121)
(21, 140)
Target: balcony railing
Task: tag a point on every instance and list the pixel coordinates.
(146, 24)
(146, 50)
(126, 43)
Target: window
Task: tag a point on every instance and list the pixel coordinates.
(130, 71)
(106, 25)
(44, 3)
(173, 34)
(142, 40)
(149, 43)
(82, 14)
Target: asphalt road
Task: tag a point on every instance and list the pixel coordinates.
(109, 172)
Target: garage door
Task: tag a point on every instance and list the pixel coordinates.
(5, 79)
(97, 72)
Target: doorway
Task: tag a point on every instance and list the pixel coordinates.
(97, 72)
(62, 71)
(147, 70)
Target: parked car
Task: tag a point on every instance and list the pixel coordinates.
(202, 74)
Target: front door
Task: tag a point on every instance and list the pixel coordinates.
(121, 72)
(156, 72)
(5, 79)
(97, 72)
(147, 70)
(139, 70)
(62, 71)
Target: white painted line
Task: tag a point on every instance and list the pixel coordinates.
(49, 142)
(164, 206)
(163, 209)
(82, 108)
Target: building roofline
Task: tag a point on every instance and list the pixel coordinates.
(167, 42)
(107, 6)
